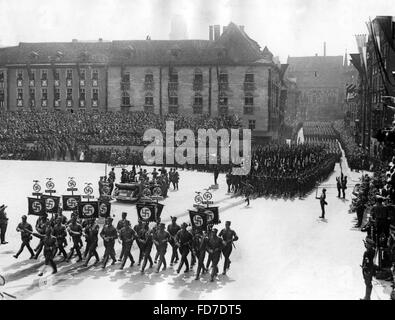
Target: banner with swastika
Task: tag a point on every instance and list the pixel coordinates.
(146, 211)
(70, 202)
(51, 203)
(198, 219)
(88, 209)
(104, 209)
(36, 206)
(212, 214)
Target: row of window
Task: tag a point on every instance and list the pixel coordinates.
(57, 96)
(44, 74)
(198, 100)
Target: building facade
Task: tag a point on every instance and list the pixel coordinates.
(229, 74)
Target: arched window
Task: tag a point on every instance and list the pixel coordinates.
(149, 99)
(125, 98)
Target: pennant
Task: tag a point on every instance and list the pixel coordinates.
(36, 206)
(51, 203)
(198, 219)
(88, 209)
(104, 209)
(70, 202)
(159, 209)
(146, 211)
(361, 44)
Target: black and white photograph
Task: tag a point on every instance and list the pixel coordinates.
(181, 150)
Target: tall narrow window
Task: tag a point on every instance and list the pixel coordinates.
(173, 101)
(19, 78)
(248, 100)
(82, 94)
(95, 77)
(125, 99)
(149, 100)
(32, 76)
(198, 100)
(44, 94)
(19, 97)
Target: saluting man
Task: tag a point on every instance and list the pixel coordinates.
(228, 236)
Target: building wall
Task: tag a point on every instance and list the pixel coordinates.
(3, 90)
(12, 88)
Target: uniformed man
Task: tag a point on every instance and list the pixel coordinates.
(344, 186)
(323, 203)
(60, 233)
(172, 229)
(3, 224)
(184, 241)
(127, 235)
(26, 231)
(339, 186)
(368, 268)
(75, 232)
(146, 243)
(109, 234)
(161, 238)
(41, 227)
(202, 240)
(120, 225)
(92, 232)
(140, 229)
(214, 247)
(228, 236)
(49, 244)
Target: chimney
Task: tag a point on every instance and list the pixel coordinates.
(211, 33)
(241, 28)
(324, 49)
(217, 32)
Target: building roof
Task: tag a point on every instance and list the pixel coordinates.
(315, 62)
(233, 47)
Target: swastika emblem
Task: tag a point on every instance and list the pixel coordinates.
(147, 192)
(37, 207)
(49, 204)
(71, 184)
(88, 190)
(145, 213)
(50, 185)
(106, 189)
(71, 203)
(36, 187)
(103, 209)
(198, 220)
(210, 215)
(88, 210)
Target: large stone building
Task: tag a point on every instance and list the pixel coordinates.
(228, 74)
(321, 81)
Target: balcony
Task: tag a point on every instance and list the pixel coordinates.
(95, 82)
(57, 82)
(56, 103)
(197, 109)
(173, 108)
(149, 108)
(223, 110)
(249, 86)
(31, 83)
(19, 102)
(197, 86)
(44, 103)
(95, 103)
(82, 83)
(248, 110)
(125, 85)
(173, 86)
(44, 82)
(69, 103)
(82, 103)
(148, 86)
(69, 82)
(19, 82)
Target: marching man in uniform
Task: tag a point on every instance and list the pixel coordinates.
(202, 241)
(368, 267)
(184, 240)
(109, 234)
(59, 232)
(323, 203)
(127, 235)
(26, 230)
(146, 243)
(172, 229)
(120, 225)
(75, 232)
(92, 231)
(214, 247)
(139, 229)
(49, 244)
(161, 237)
(228, 236)
(41, 226)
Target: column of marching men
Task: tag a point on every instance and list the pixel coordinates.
(201, 247)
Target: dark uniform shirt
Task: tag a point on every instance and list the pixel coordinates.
(24, 234)
(109, 232)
